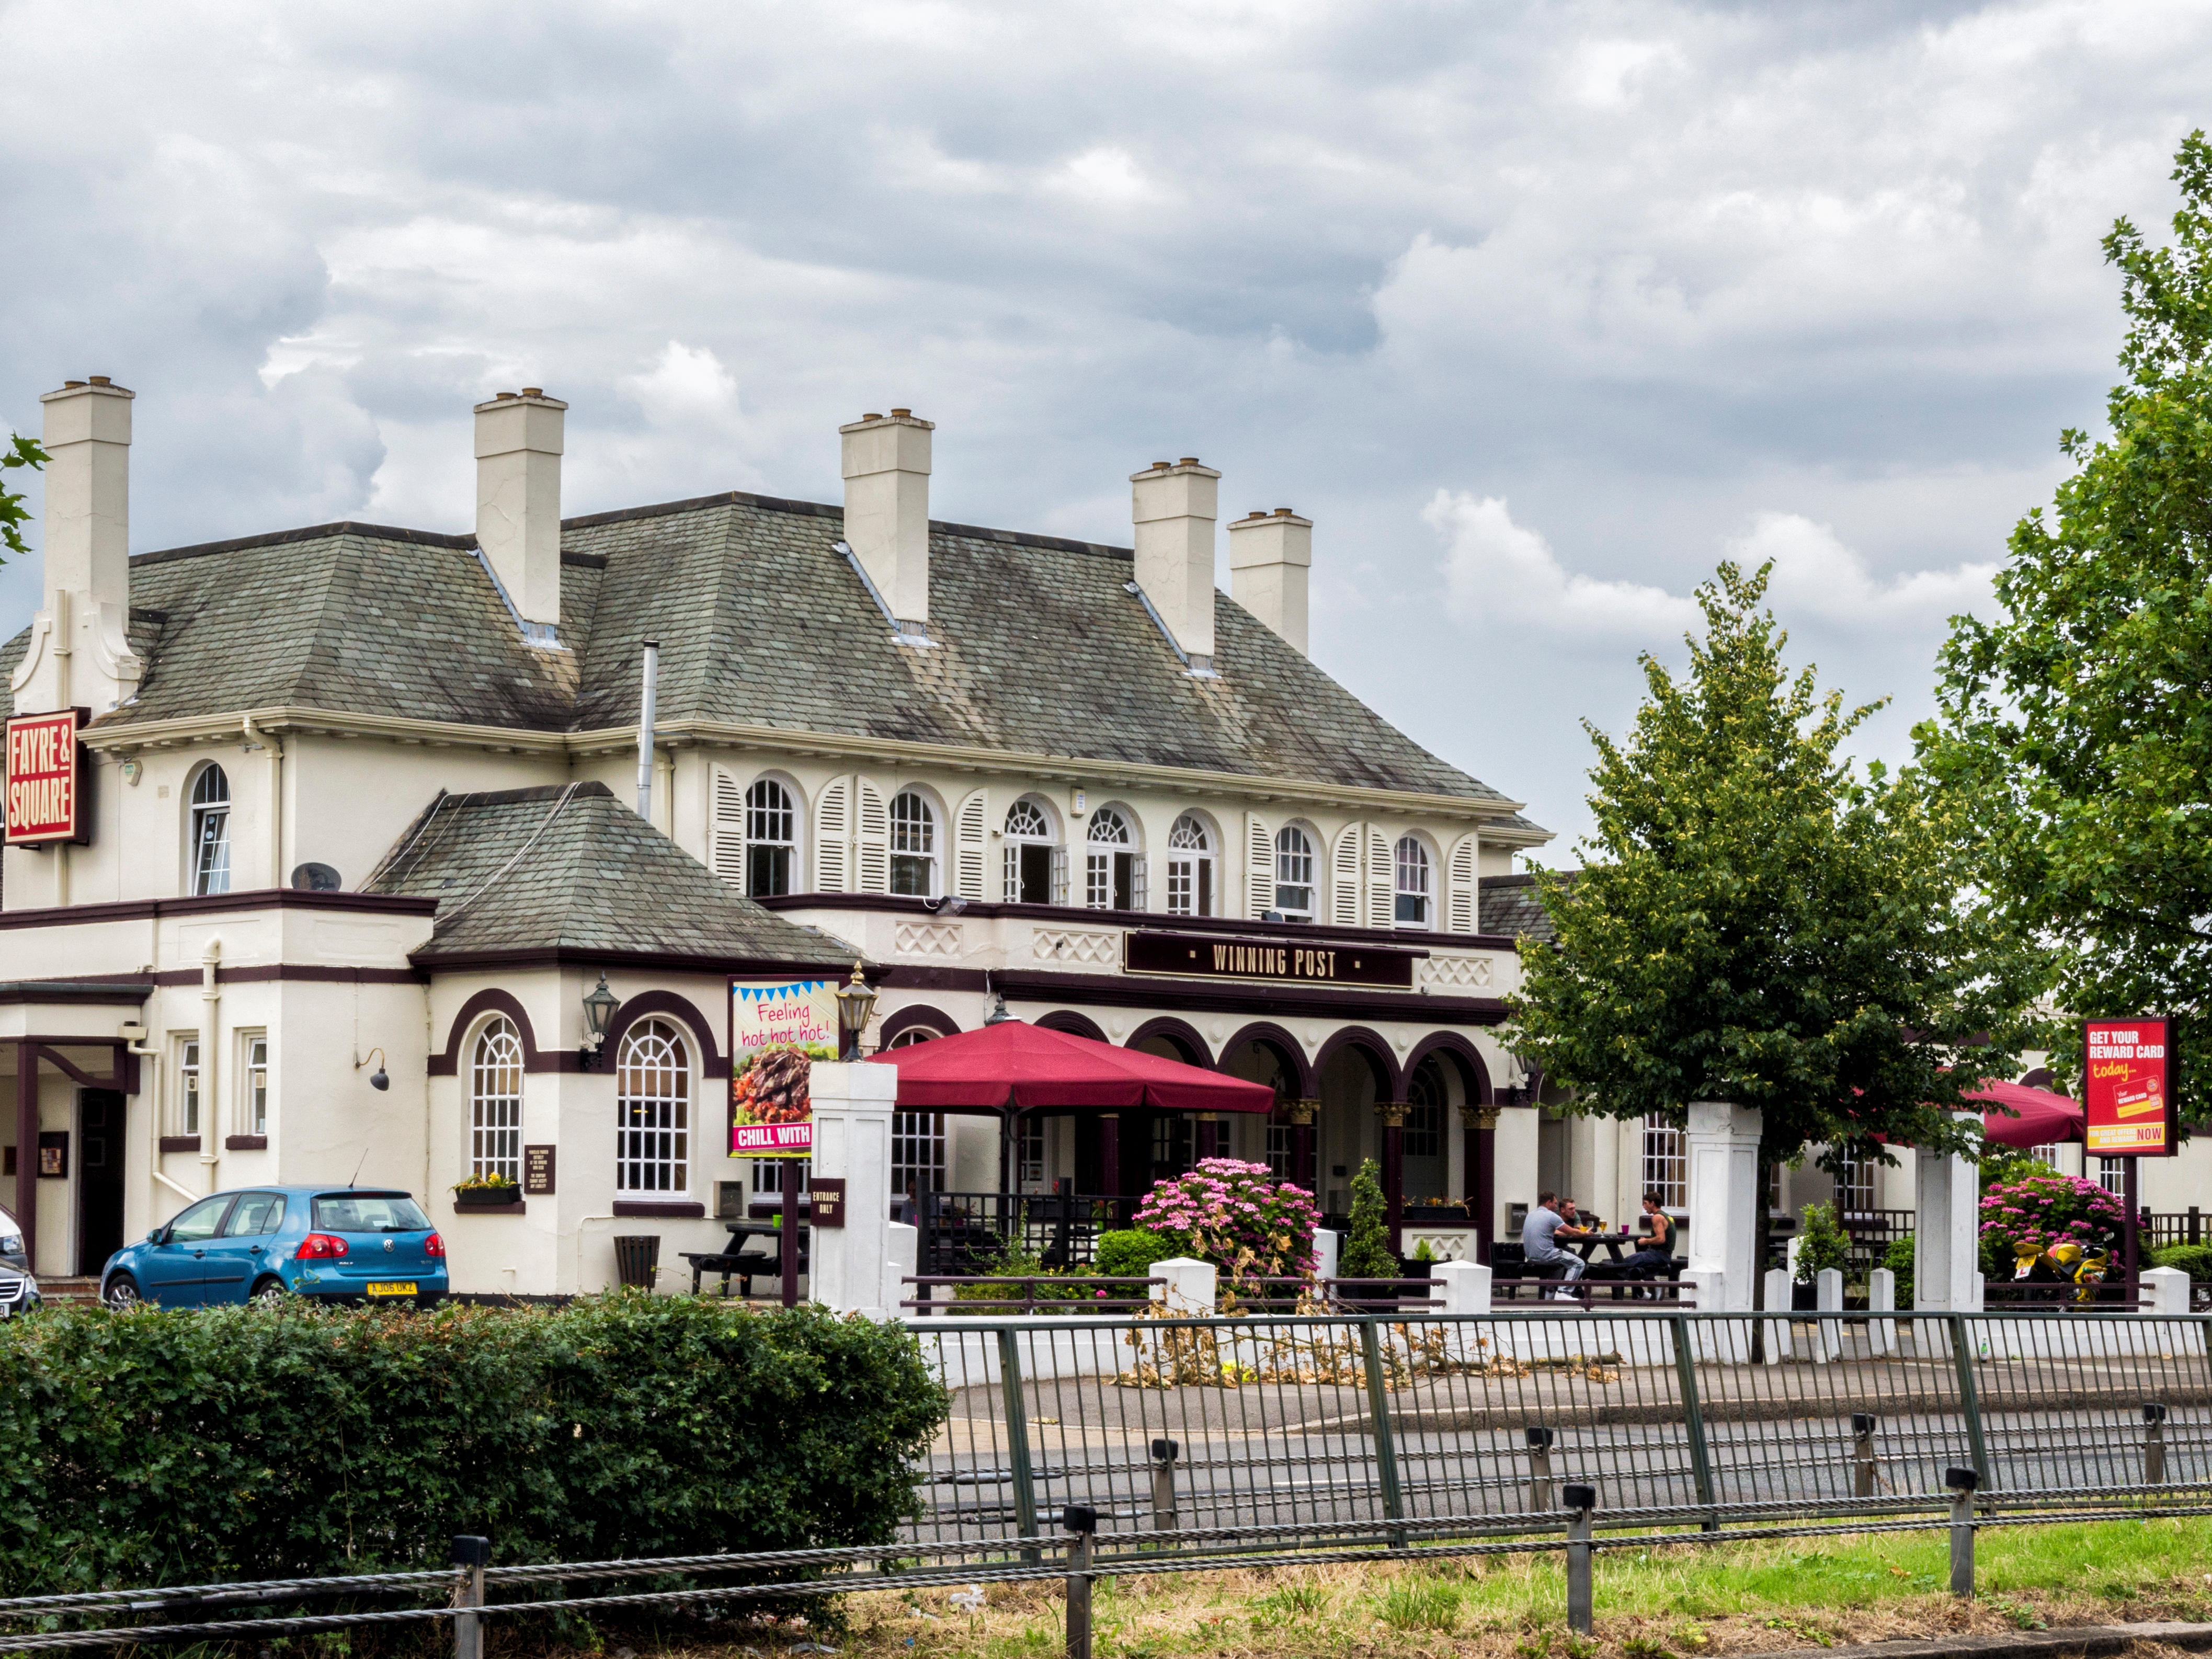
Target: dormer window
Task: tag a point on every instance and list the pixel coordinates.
(210, 843)
(1190, 868)
(913, 846)
(1113, 871)
(1416, 882)
(1032, 870)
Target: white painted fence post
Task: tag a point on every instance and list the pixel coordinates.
(2169, 1289)
(848, 1266)
(1828, 1297)
(1466, 1286)
(1881, 1298)
(1722, 1145)
(1778, 1301)
(1191, 1287)
(1328, 1248)
(902, 1262)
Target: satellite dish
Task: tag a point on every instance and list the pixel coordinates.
(316, 878)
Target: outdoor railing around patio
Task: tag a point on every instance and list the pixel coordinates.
(971, 1232)
(1037, 1293)
(1868, 1236)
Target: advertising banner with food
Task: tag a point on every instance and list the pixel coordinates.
(777, 1031)
(2127, 1087)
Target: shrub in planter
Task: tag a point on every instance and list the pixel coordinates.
(1897, 1258)
(2194, 1259)
(1366, 1253)
(1821, 1242)
(1236, 1215)
(1128, 1253)
(231, 1444)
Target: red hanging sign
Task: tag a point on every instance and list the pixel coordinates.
(2127, 1087)
(46, 770)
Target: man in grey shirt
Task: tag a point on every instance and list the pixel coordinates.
(1539, 1234)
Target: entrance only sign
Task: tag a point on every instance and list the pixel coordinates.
(2127, 1087)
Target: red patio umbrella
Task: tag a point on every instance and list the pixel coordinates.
(2045, 1117)
(1016, 1066)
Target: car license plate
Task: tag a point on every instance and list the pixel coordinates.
(391, 1288)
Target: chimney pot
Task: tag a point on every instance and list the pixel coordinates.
(101, 380)
(519, 446)
(871, 416)
(886, 465)
(533, 391)
(71, 385)
(1269, 556)
(1187, 461)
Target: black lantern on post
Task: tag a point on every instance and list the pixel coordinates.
(599, 1008)
(855, 1003)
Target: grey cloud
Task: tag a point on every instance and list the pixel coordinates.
(1657, 274)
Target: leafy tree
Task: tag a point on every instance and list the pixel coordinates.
(1759, 923)
(1366, 1252)
(21, 452)
(2077, 727)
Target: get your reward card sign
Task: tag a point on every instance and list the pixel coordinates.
(777, 1031)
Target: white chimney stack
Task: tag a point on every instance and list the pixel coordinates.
(1269, 554)
(80, 652)
(1174, 505)
(519, 443)
(886, 464)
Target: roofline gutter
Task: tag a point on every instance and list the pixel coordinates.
(672, 734)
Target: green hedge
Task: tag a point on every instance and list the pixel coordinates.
(2194, 1259)
(1128, 1253)
(246, 1443)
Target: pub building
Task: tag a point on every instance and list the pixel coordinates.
(358, 853)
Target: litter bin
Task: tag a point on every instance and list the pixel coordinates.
(636, 1257)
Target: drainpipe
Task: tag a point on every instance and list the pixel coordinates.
(648, 711)
(210, 1017)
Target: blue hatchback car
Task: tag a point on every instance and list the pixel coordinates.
(339, 1244)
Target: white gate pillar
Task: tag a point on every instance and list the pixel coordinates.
(1724, 1197)
(1946, 1231)
(850, 1266)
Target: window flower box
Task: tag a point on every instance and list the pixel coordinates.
(486, 1195)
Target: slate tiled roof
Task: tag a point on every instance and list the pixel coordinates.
(570, 867)
(1512, 909)
(1040, 647)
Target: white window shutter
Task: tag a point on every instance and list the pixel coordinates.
(1347, 882)
(1463, 909)
(1259, 866)
(1382, 879)
(1010, 872)
(1139, 884)
(1059, 875)
(726, 841)
(871, 838)
(833, 837)
(969, 832)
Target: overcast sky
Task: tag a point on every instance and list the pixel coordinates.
(1538, 311)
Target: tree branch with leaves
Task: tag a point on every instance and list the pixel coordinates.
(21, 452)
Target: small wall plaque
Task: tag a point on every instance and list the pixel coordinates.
(538, 1165)
(53, 1154)
(825, 1201)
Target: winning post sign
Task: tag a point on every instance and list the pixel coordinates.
(2128, 1089)
(45, 779)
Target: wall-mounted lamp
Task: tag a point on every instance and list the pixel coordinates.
(379, 1078)
(856, 1000)
(598, 1007)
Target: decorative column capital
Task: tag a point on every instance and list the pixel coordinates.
(1302, 1111)
(1478, 1115)
(1392, 1112)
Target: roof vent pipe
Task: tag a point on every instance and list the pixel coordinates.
(648, 704)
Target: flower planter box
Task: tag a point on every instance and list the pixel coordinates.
(503, 1197)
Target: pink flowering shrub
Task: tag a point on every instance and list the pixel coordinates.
(2044, 1210)
(1236, 1215)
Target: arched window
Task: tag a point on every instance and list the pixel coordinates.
(1112, 872)
(1416, 883)
(1190, 868)
(917, 1137)
(210, 832)
(652, 1110)
(1666, 1163)
(913, 846)
(1032, 870)
(1294, 874)
(771, 839)
(496, 1102)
